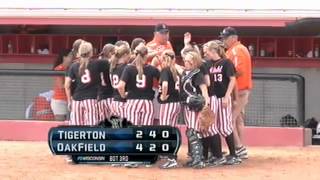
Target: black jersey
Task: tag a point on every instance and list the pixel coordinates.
(220, 72)
(191, 85)
(86, 85)
(115, 78)
(204, 67)
(173, 86)
(105, 89)
(140, 88)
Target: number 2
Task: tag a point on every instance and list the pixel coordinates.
(115, 80)
(85, 78)
(177, 84)
(139, 134)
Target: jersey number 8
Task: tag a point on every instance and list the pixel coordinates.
(85, 78)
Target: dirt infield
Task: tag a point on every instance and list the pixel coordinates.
(33, 160)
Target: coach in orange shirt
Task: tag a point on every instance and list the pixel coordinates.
(241, 58)
(159, 43)
(156, 47)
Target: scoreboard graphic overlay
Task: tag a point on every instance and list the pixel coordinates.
(137, 144)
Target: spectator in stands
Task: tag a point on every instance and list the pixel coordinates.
(59, 99)
(241, 58)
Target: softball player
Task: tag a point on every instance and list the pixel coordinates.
(117, 65)
(86, 75)
(107, 52)
(193, 82)
(222, 77)
(137, 79)
(169, 97)
(105, 92)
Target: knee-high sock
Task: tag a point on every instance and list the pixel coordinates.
(215, 146)
(205, 144)
(231, 145)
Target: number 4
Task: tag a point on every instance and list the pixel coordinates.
(139, 147)
(153, 134)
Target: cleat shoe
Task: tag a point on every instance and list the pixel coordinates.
(131, 165)
(242, 152)
(198, 165)
(232, 160)
(217, 161)
(171, 163)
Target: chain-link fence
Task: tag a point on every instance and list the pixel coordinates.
(276, 100)
(26, 94)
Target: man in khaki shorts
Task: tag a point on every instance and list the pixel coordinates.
(241, 58)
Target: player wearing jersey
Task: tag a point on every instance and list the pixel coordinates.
(169, 97)
(136, 85)
(222, 77)
(86, 76)
(105, 92)
(193, 84)
(117, 65)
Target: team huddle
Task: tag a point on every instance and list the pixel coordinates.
(143, 82)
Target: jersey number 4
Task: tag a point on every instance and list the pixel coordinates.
(141, 82)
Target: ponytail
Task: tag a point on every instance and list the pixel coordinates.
(141, 56)
(169, 58)
(119, 52)
(218, 46)
(85, 53)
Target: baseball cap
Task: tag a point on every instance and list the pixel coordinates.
(161, 28)
(228, 31)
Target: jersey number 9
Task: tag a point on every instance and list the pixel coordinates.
(141, 83)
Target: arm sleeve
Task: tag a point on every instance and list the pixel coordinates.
(71, 73)
(156, 73)
(198, 79)
(204, 68)
(229, 69)
(164, 76)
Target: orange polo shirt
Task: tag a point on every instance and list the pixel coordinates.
(58, 90)
(241, 59)
(155, 46)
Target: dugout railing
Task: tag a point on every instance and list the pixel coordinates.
(276, 99)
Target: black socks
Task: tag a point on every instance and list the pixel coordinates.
(231, 145)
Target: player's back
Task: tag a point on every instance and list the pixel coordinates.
(140, 88)
(88, 83)
(115, 79)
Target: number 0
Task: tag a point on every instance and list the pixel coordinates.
(165, 134)
(165, 147)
